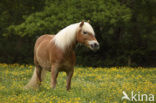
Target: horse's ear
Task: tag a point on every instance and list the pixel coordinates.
(88, 21)
(81, 24)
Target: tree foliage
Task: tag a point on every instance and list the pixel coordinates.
(125, 29)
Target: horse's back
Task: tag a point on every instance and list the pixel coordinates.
(45, 37)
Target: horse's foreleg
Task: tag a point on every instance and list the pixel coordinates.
(54, 74)
(69, 76)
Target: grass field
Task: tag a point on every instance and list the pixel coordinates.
(89, 85)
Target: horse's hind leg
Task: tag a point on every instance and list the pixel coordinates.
(38, 72)
(36, 79)
(54, 74)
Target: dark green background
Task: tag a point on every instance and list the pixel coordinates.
(126, 29)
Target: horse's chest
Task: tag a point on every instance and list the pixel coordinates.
(65, 66)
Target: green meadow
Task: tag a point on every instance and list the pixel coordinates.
(89, 85)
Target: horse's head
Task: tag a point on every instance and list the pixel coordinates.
(85, 35)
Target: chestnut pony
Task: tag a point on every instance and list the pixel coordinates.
(55, 53)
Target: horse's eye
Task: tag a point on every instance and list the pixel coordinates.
(84, 32)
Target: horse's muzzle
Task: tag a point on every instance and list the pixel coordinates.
(94, 45)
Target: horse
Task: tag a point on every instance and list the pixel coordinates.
(55, 53)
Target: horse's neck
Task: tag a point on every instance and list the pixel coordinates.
(66, 38)
(71, 47)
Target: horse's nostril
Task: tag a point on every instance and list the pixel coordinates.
(92, 45)
(95, 45)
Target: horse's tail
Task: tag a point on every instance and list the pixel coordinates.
(35, 81)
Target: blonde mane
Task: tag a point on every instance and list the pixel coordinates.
(66, 36)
